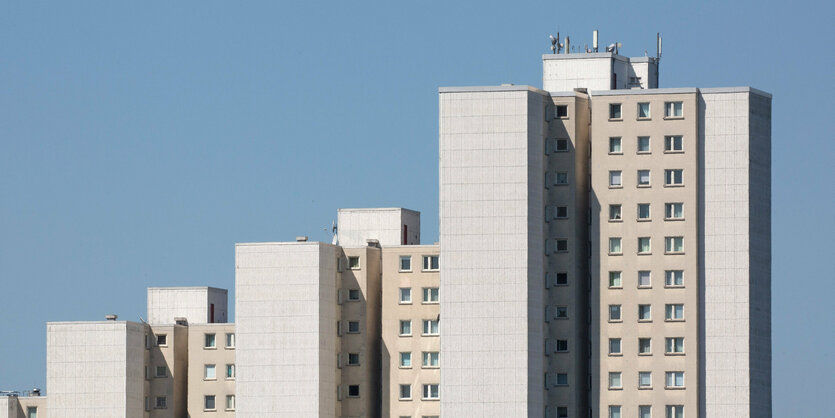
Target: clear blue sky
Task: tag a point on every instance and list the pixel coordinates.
(139, 142)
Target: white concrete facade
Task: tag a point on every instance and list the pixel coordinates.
(199, 305)
(390, 226)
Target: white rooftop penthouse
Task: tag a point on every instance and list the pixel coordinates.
(199, 305)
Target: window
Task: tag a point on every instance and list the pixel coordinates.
(405, 295)
(32, 412)
(430, 391)
(643, 211)
(561, 312)
(353, 295)
(431, 359)
(562, 245)
(562, 379)
(675, 411)
(614, 312)
(644, 345)
(562, 412)
(643, 177)
(405, 391)
(430, 295)
(405, 263)
(614, 411)
(614, 213)
(160, 402)
(614, 380)
(614, 246)
(643, 110)
(209, 372)
(615, 279)
(645, 411)
(615, 145)
(673, 143)
(562, 279)
(353, 327)
(614, 346)
(674, 278)
(644, 278)
(562, 212)
(405, 327)
(615, 179)
(561, 111)
(674, 345)
(230, 340)
(431, 262)
(673, 177)
(209, 402)
(230, 402)
(162, 340)
(209, 341)
(230, 371)
(562, 346)
(353, 359)
(430, 327)
(147, 403)
(673, 110)
(675, 380)
(674, 245)
(353, 391)
(615, 111)
(675, 311)
(562, 178)
(161, 371)
(354, 263)
(643, 145)
(147, 372)
(644, 312)
(674, 211)
(644, 246)
(644, 379)
(406, 359)
(562, 145)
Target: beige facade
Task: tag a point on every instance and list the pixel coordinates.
(166, 371)
(211, 371)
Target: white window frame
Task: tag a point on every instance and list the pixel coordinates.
(206, 406)
(638, 149)
(674, 278)
(674, 379)
(230, 340)
(431, 327)
(648, 206)
(408, 260)
(649, 345)
(407, 392)
(408, 324)
(431, 262)
(431, 359)
(640, 176)
(674, 245)
(351, 265)
(615, 380)
(230, 367)
(674, 312)
(431, 391)
(209, 372)
(641, 275)
(641, 241)
(405, 295)
(644, 312)
(405, 360)
(210, 340)
(615, 347)
(350, 359)
(230, 402)
(649, 110)
(431, 295)
(670, 142)
(674, 177)
(670, 211)
(615, 111)
(615, 249)
(671, 111)
(641, 376)
(615, 280)
(615, 213)
(615, 175)
(615, 308)
(671, 345)
(615, 142)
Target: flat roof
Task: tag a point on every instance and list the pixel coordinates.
(376, 210)
(186, 288)
(681, 90)
(491, 89)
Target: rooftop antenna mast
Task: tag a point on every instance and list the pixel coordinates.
(556, 46)
(594, 40)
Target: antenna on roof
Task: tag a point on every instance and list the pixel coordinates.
(553, 44)
(658, 50)
(594, 40)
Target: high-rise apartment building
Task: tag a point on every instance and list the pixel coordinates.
(604, 251)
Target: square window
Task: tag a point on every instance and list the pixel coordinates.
(562, 245)
(230, 371)
(354, 263)
(209, 402)
(353, 295)
(353, 327)
(643, 211)
(430, 295)
(353, 391)
(674, 211)
(644, 345)
(405, 263)
(644, 379)
(643, 110)
(614, 411)
(674, 177)
(673, 109)
(562, 279)
(614, 213)
(615, 279)
(405, 295)
(562, 178)
(614, 246)
(562, 145)
(160, 402)
(209, 372)
(562, 379)
(430, 327)
(674, 311)
(614, 380)
(405, 391)
(230, 340)
(562, 412)
(431, 391)
(644, 312)
(615, 179)
(614, 313)
(645, 411)
(561, 111)
(209, 341)
(162, 340)
(675, 380)
(405, 327)
(32, 411)
(562, 212)
(675, 411)
(561, 312)
(615, 111)
(562, 346)
(615, 145)
(161, 371)
(644, 278)
(674, 245)
(644, 246)
(406, 359)
(614, 346)
(354, 359)
(643, 145)
(673, 143)
(230, 402)
(674, 345)
(431, 262)
(431, 359)
(643, 177)
(674, 278)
